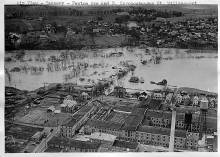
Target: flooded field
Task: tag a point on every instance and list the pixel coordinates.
(179, 67)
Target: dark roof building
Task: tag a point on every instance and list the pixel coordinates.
(84, 110)
(104, 124)
(125, 144)
(67, 143)
(73, 121)
(161, 131)
(134, 119)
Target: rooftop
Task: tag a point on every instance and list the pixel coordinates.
(134, 119)
(164, 114)
(123, 108)
(84, 94)
(74, 143)
(84, 110)
(70, 103)
(162, 131)
(211, 122)
(152, 103)
(104, 124)
(73, 121)
(138, 111)
(125, 144)
(103, 136)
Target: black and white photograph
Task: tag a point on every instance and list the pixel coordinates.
(110, 77)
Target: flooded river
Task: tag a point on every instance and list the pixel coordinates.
(182, 69)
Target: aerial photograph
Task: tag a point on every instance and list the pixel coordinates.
(120, 78)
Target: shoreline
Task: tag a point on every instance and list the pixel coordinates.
(86, 49)
(188, 89)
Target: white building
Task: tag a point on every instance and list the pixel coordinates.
(158, 96)
(132, 24)
(179, 98)
(68, 104)
(204, 103)
(195, 100)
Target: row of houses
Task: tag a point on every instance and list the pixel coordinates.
(186, 99)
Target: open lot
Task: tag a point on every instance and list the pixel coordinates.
(44, 118)
(18, 136)
(21, 131)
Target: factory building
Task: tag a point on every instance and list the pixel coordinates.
(69, 128)
(73, 145)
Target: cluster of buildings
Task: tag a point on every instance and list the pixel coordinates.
(187, 99)
(110, 123)
(147, 26)
(96, 142)
(146, 127)
(189, 33)
(144, 124)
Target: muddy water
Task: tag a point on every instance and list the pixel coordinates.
(196, 70)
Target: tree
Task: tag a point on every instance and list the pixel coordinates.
(122, 19)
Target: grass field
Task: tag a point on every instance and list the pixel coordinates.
(21, 131)
(21, 134)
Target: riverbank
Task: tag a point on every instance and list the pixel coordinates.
(85, 42)
(115, 45)
(194, 90)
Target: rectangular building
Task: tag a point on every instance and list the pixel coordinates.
(68, 145)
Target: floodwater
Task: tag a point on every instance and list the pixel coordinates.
(179, 68)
